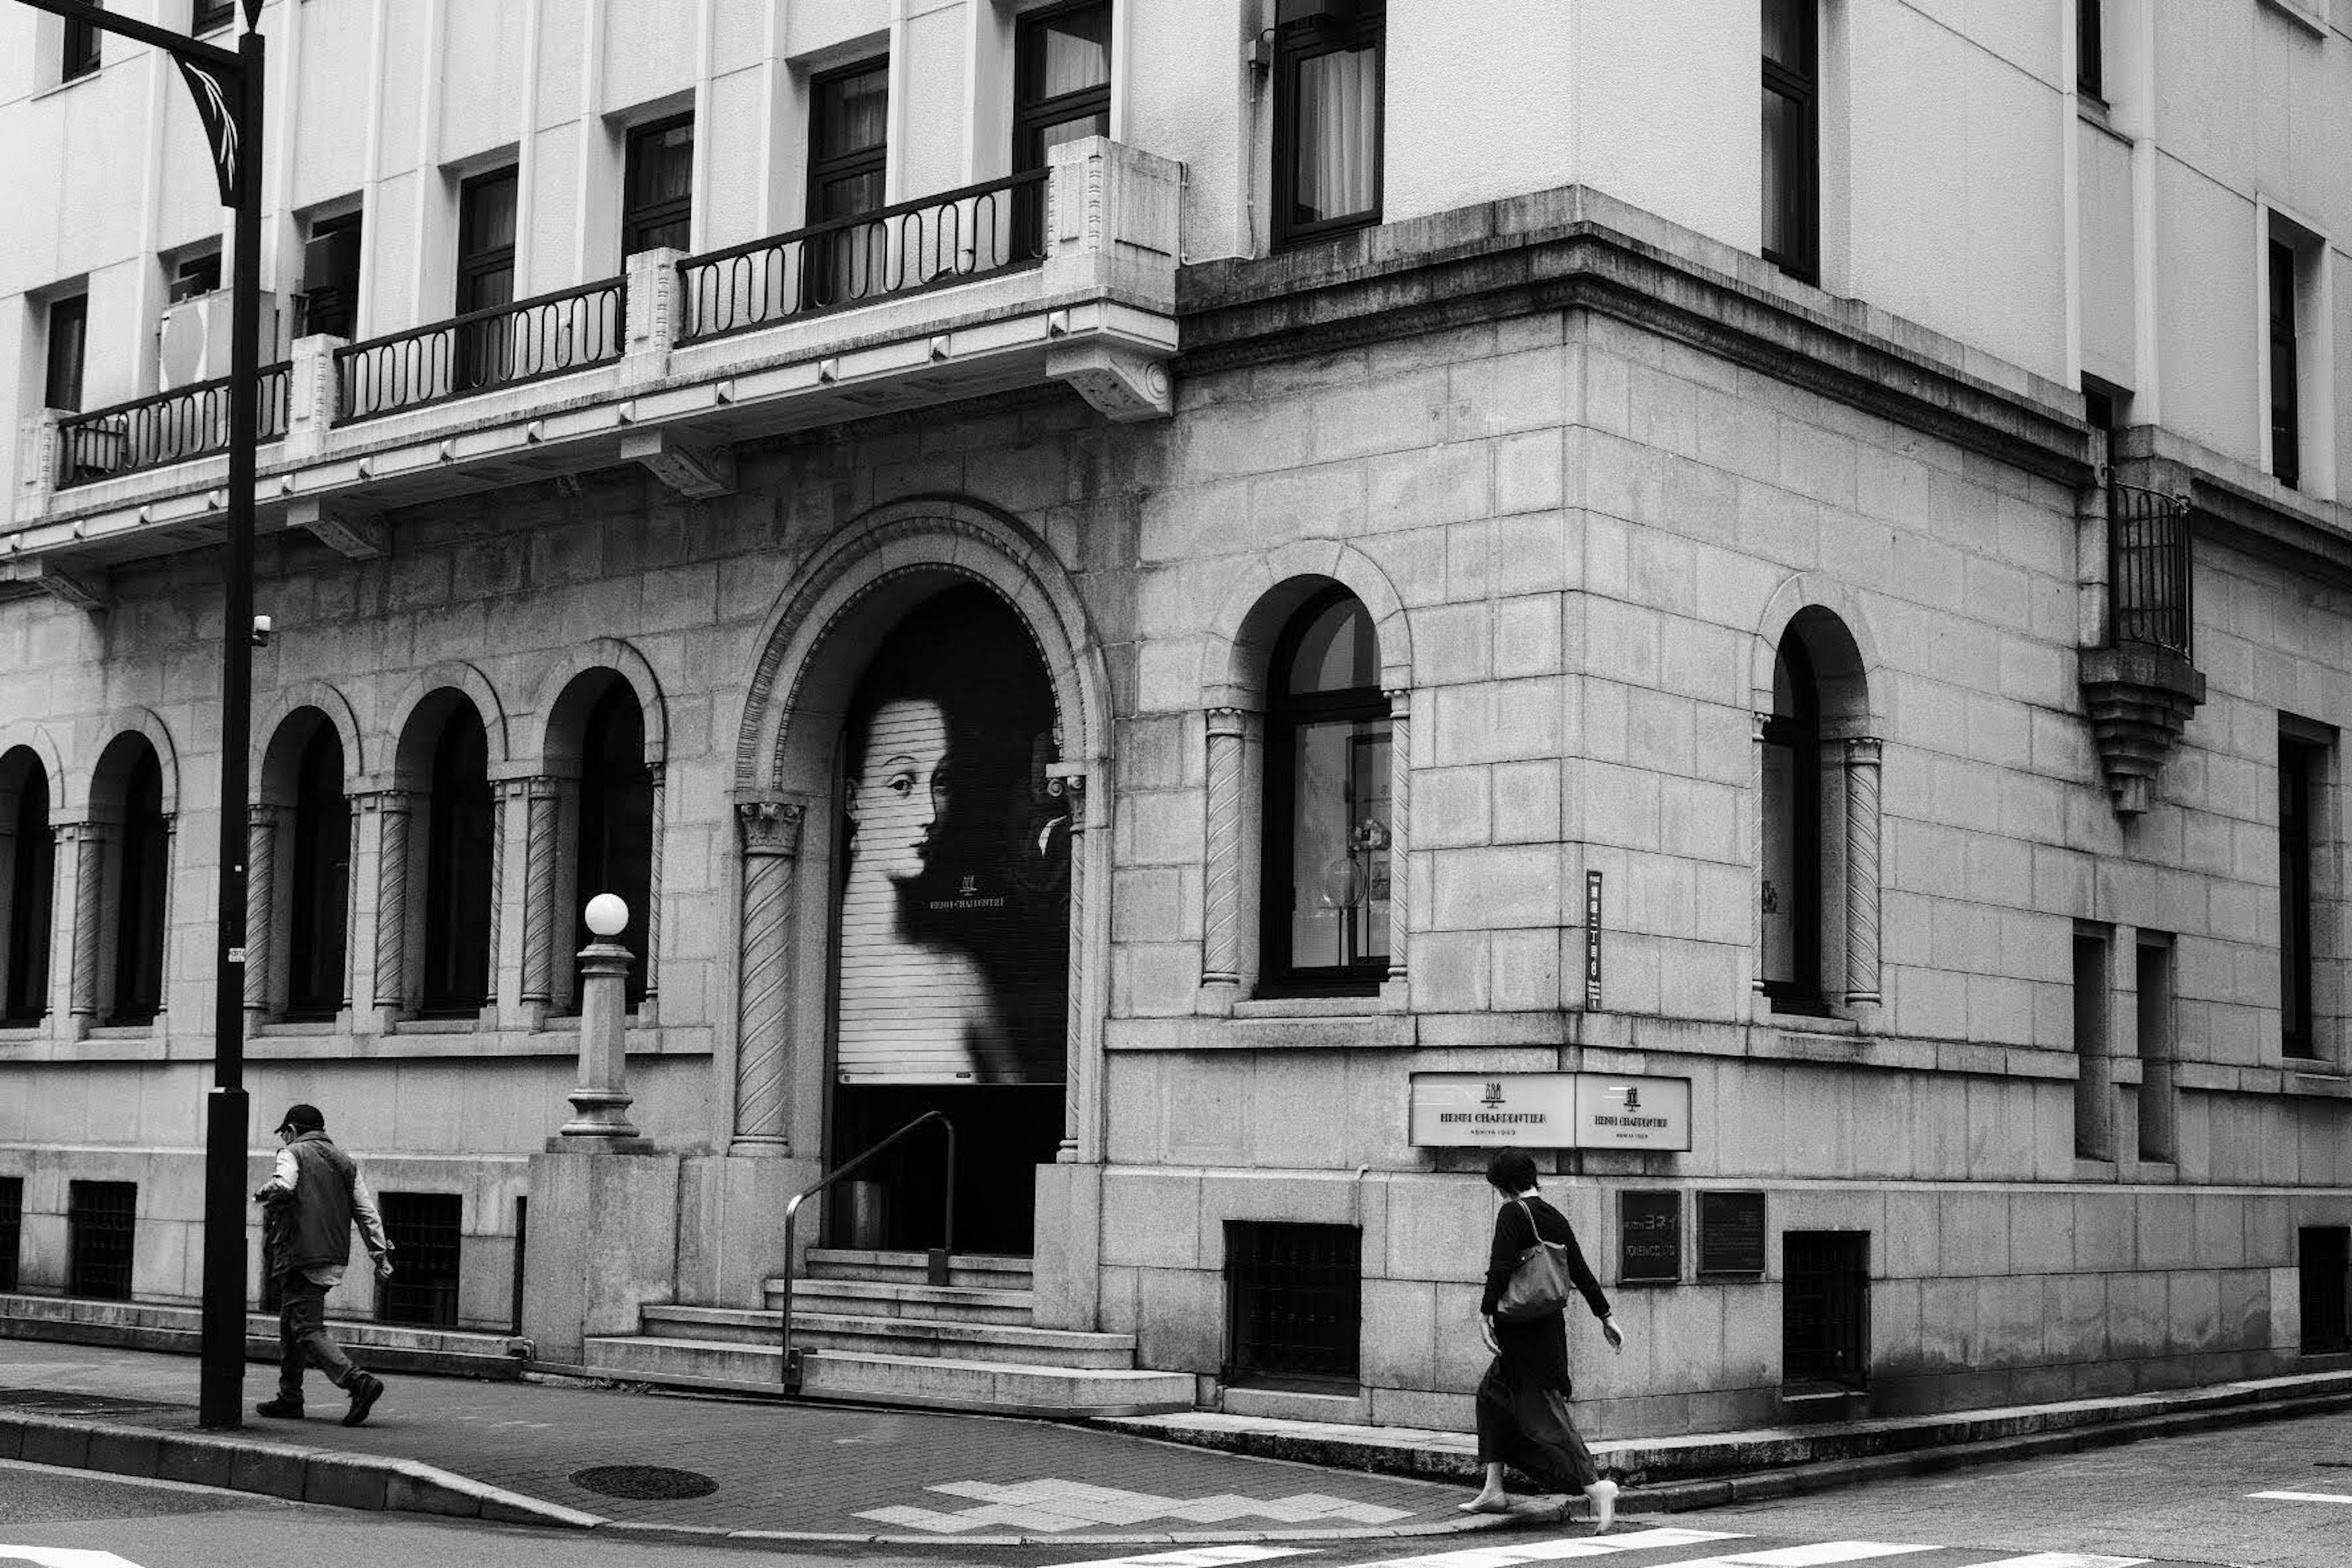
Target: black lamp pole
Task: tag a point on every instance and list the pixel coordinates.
(227, 88)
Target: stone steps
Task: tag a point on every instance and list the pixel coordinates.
(169, 1326)
(929, 1382)
(894, 1299)
(939, 1339)
(983, 1270)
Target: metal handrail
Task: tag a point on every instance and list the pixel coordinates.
(792, 1362)
(483, 350)
(162, 428)
(2151, 575)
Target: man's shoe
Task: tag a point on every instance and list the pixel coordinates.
(366, 1389)
(285, 1409)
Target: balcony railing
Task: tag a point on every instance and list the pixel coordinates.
(2148, 569)
(505, 345)
(952, 237)
(169, 427)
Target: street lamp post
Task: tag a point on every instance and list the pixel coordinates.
(227, 89)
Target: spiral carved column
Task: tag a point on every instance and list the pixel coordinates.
(544, 814)
(1400, 828)
(1221, 931)
(392, 898)
(651, 919)
(1862, 779)
(260, 898)
(90, 839)
(1074, 1066)
(770, 831)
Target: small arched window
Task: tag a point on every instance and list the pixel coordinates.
(321, 886)
(28, 863)
(616, 824)
(1793, 836)
(457, 870)
(1325, 902)
(139, 894)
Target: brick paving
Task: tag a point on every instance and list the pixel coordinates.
(793, 1468)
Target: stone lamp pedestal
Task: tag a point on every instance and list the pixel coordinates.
(600, 1105)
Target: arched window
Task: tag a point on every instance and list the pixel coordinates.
(1793, 836)
(458, 868)
(615, 854)
(320, 887)
(139, 894)
(28, 876)
(1325, 904)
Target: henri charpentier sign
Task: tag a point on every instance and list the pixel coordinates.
(1550, 1110)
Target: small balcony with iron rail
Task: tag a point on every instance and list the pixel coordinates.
(1060, 275)
(2141, 685)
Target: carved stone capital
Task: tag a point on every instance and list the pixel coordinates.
(1124, 383)
(770, 826)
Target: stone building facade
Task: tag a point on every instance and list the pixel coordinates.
(1879, 661)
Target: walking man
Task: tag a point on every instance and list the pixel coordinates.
(311, 1201)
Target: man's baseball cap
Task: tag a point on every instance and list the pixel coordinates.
(301, 1119)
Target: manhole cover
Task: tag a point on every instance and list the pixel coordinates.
(643, 1483)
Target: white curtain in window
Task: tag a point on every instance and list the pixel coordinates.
(1338, 113)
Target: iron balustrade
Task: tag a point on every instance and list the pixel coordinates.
(170, 427)
(1294, 1301)
(2150, 580)
(502, 346)
(102, 1221)
(938, 1259)
(997, 226)
(423, 1229)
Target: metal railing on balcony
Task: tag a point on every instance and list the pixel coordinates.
(2150, 580)
(954, 237)
(169, 427)
(482, 350)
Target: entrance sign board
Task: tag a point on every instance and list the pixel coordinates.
(1730, 1233)
(1649, 1237)
(1550, 1111)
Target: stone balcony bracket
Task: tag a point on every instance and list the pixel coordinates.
(2138, 700)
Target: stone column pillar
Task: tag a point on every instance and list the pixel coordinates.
(651, 941)
(543, 816)
(770, 832)
(262, 824)
(1077, 1070)
(89, 841)
(1862, 771)
(392, 808)
(1399, 831)
(1221, 930)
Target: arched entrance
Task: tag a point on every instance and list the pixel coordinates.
(915, 930)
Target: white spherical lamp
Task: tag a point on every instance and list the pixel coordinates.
(608, 916)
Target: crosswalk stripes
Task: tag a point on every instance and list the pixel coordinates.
(1645, 1544)
(2303, 1497)
(1198, 1557)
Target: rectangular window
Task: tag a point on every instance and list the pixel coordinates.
(80, 57)
(2286, 402)
(195, 275)
(483, 352)
(2322, 1261)
(2090, 51)
(1061, 79)
(100, 1218)
(849, 156)
(69, 327)
(12, 1228)
(207, 15)
(1825, 1307)
(2094, 1067)
(1792, 139)
(1294, 1302)
(2157, 1100)
(658, 187)
(330, 276)
(2299, 772)
(423, 1228)
(1328, 112)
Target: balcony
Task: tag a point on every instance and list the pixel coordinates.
(1063, 275)
(2142, 686)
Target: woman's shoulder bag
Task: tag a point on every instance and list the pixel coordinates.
(1540, 1283)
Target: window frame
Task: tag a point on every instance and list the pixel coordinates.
(2302, 765)
(1802, 172)
(80, 52)
(210, 16)
(1032, 114)
(457, 895)
(25, 968)
(73, 309)
(607, 797)
(141, 882)
(319, 933)
(826, 170)
(2284, 401)
(636, 219)
(2090, 51)
(1800, 734)
(476, 262)
(1296, 44)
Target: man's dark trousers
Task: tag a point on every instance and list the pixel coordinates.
(302, 1332)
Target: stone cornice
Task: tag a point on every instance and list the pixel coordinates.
(2239, 506)
(1575, 249)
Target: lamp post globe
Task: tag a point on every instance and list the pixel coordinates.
(608, 916)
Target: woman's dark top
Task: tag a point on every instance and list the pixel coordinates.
(1513, 1237)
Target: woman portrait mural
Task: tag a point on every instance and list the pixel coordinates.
(953, 918)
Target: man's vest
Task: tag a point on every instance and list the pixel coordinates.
(320, 1233)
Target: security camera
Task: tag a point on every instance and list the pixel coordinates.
(261, 631)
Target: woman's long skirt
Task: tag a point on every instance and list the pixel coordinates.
(1523, 1417)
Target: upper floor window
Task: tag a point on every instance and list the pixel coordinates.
(2286, 413)
(2302, 774)
(1793, 836)
(658, 187)
(849, 156)
(80, 55)
(69, 325)
(485, 267)
(331, 276)
(1328, 770)
(207, 15)
(1326, 152)
(2090, 51)
(1791, 149)
(1061, 79)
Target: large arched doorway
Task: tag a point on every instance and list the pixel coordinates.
(951, 925)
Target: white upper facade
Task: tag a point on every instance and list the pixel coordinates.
(1968, 179)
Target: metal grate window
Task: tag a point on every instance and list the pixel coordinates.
(2323, 1263)
(1825, 1307)
(2150, 570)
(12, 1227)
(422, 1230)
(1294, 1301)
(99, 1220)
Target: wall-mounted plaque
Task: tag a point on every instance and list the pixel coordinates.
(1730, 1233)
(1550, 1111)
(1649, 1237)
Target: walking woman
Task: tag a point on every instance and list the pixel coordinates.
(1523, 1399)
